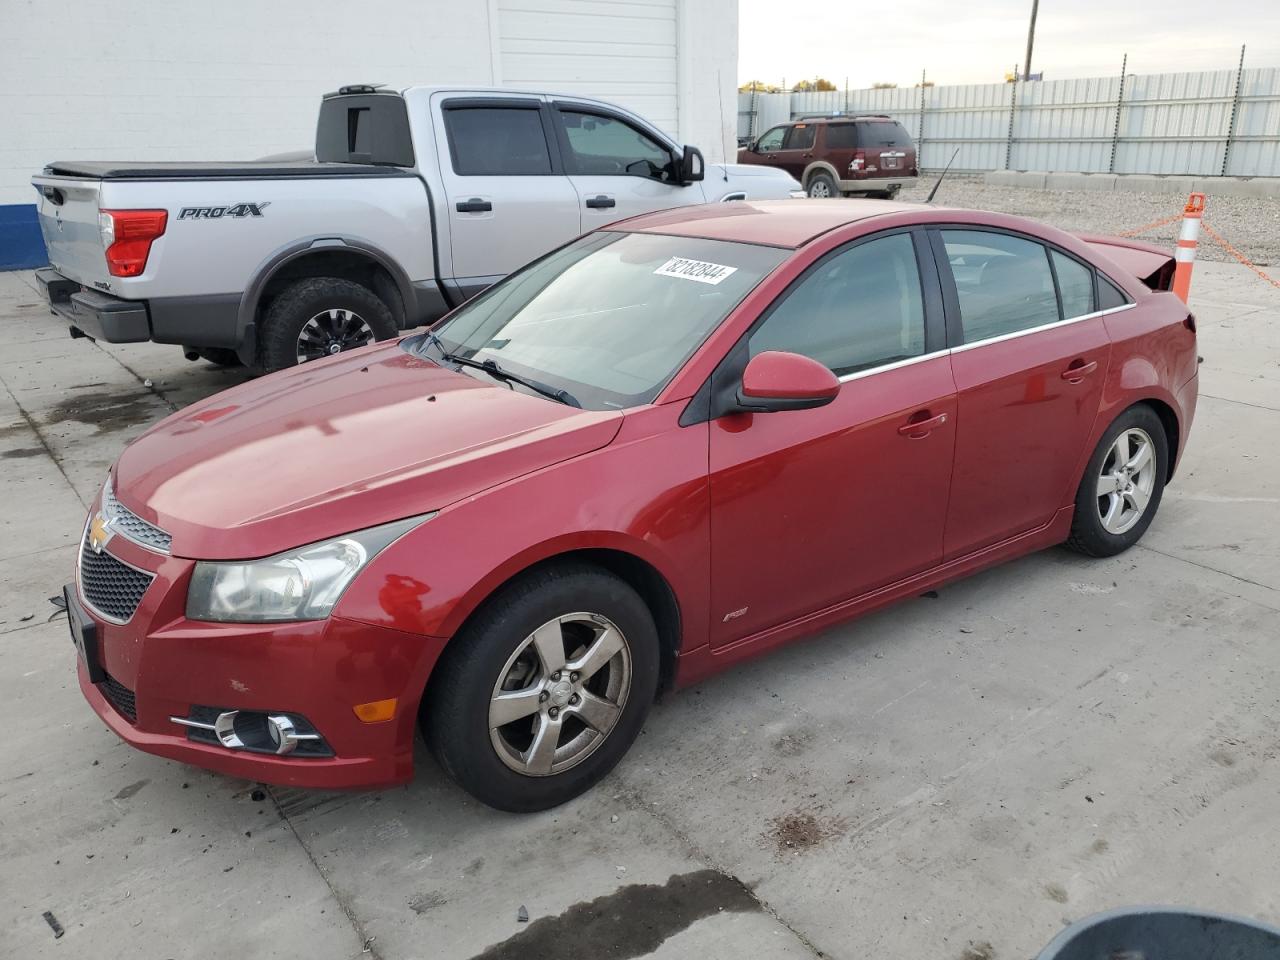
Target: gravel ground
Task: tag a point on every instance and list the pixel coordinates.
(1251, 225)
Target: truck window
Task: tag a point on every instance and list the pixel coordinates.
(772, 140)
(497, 142)
(366, 128)
(607, 146)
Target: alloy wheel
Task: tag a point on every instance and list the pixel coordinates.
(819, 189)
(560, 694)
(332, 331)
(1126, 480)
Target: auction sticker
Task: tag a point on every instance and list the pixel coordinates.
(698, 270)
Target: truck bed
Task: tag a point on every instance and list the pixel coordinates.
(203, 170)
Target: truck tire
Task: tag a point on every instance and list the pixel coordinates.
(318, 317)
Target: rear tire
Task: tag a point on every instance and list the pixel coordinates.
(822, 186)
(336, 315)
(505, 663)
(1122, 485)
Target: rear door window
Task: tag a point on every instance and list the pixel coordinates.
(1003, 283)
(800, 137)
(497, 141)
(1109, 295)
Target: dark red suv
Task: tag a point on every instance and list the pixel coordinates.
(840, 156)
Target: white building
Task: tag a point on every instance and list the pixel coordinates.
(240, 79)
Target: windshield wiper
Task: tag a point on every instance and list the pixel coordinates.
(491, 367)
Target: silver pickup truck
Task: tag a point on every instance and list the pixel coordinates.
(416, 201)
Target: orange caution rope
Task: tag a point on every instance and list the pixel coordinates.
(1151, 226)
(1216, 238)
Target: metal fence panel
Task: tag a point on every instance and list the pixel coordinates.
(1169, 123)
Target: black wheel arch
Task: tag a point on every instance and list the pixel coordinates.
(639, 574)
(344, 257)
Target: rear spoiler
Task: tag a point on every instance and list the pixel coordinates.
(1151, 264)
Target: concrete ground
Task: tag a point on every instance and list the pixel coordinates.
(954, 778)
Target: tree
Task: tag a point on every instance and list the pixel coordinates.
(884, 86)
(755, 86)
(816, 85)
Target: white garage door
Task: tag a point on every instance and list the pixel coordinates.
(623, 52)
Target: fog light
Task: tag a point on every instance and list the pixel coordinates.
(283, 733)
(278, 733)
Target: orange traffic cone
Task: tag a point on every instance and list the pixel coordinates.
(1185, 255)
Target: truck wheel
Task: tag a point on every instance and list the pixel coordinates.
(822, 185)
(222, 356)
(321, 316)
(544, 689)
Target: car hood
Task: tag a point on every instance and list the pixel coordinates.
(339, 445)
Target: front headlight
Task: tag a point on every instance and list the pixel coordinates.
(301, 584)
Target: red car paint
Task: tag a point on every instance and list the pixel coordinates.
(757, 523)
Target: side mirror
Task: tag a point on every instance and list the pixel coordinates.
(774, 381)
(692, 166)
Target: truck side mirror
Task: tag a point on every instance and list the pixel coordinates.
(692, 166)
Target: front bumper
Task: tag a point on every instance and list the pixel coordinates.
(92, 313)
(159, 665)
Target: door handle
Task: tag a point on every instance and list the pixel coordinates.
(1078, 371)
(919, 429)
(601, 202)
(474, 205)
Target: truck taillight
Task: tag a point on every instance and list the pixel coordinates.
(858, 162)
(127, 236)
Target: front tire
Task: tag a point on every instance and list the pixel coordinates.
(1122, 485)
(318, 317)
(545, 689)
(822, 186)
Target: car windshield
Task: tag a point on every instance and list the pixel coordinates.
(609, 318)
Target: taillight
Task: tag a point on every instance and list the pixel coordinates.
(127, 236)
(858, 162)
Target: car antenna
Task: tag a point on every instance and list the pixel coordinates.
(929, 199)
(720, 92)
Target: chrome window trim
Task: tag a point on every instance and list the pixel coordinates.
(1042, 327)
(885, 368)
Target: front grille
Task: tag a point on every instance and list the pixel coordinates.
(120, 697)
(130, 525)
(112, 588)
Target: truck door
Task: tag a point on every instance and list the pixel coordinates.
(506, 195)
(617, 168)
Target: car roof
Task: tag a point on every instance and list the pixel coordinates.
(775, 223)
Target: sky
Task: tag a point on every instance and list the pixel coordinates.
(979, 41)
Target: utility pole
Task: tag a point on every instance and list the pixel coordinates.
(1031, 39)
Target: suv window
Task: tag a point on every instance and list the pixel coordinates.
(1003, 283)
(609, 146)
(842, 136)
(799, 137)
(883, 133)
(772, 139)
(497, 141)
(1075, 285)
(861, 308)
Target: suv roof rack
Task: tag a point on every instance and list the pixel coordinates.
(837, 115)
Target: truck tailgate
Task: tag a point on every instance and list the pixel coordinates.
(69, 222)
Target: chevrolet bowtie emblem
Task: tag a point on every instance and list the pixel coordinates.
(100, 532)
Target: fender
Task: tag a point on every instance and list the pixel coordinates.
(246, 318)
(825, 167)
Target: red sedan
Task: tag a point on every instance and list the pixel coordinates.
(673, 444)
